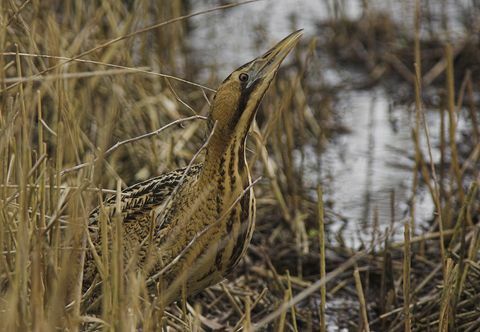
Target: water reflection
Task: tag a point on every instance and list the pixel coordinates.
(225, 39)
(370, 167)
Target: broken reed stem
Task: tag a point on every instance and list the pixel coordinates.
(197, 323)
(321, 242)
(361, 299)
(418, 72)
(452, 121)
(117, 263)
(413, 200)
(419, 111)
(283, 315)
(471, 108)
(442, 178)
(435, 192)
(445, 313)
(310, 289)
(417, 25)
(231, 299)
(462, 267)
(252, 306)
(183, 301)
(248, 320)
(270, 168)
(406, 277)
(38, 262)
(22, 230)
(292, 308)
(460, 225)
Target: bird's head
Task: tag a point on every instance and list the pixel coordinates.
(237, 99)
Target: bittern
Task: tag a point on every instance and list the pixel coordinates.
(190, 227)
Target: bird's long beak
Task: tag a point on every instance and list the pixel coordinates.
(267, 64)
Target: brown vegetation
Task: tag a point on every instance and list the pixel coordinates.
(80, 90)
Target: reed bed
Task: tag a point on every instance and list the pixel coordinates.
(96, 96)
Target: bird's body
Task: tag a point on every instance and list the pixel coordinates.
(190, 227)
(158, 227)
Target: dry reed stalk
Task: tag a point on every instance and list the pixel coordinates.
(310, 290)
(446, 313)
(462, 267)
(321, 242)
(132, 34)
(231, 299)
(197, 324)
(71, 114)
(433, 188)
(362, 301)
(247, 326)
(406, 278)
(283, 315)
(244, 315)
(292, 308)
(452, 121)
(471, 108)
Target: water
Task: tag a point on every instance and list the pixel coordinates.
(228, 38)
(239, 34)
(361, 169)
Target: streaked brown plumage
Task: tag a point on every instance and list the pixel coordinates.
(190, 227)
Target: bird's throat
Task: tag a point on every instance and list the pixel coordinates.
(225, 162)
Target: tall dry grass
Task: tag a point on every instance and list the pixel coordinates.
(84, 112)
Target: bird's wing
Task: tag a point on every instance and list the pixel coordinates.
(141, 198)
(137, 203)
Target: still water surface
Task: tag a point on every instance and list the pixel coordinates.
(359, 169)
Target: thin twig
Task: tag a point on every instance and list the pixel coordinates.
(137, 32)
(309, 291)
(134, 139)
(142, 70)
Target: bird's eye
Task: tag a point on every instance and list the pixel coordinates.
(243, 77)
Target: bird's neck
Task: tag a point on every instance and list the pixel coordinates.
(225, 160)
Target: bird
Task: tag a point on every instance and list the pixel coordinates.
(185, 230)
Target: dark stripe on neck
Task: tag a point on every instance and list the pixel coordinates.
(243, 235)
(243, 101)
